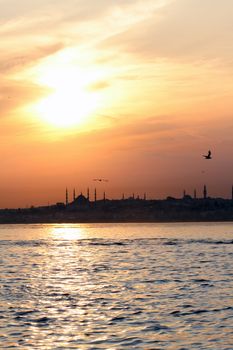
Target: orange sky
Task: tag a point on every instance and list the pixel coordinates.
(134, 91)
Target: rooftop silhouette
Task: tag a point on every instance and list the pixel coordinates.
(127, 209)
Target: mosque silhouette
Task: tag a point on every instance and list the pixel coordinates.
(82, 200)
(83, 209)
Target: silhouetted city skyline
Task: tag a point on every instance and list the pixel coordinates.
(83, 208)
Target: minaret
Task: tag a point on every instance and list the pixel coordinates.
(205, 192)
(67, 197)
(88, 194)
(74, 196)
(123, 196)
(195, 194)
(104, 198)
(95, 195)
(133, 196)
(144, 197)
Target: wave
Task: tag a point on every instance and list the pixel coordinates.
(114, 242)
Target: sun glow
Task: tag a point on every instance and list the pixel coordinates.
(71, 101)
(66, 108)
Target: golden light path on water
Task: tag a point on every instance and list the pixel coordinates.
(67, 232)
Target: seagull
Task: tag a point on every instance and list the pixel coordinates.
(100, 180)
(208, 156)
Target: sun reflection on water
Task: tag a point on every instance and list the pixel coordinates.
(68, 232)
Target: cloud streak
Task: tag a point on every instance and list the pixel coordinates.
(184, 29)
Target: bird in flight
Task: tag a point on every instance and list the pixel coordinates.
(100, 180)
(208, 156)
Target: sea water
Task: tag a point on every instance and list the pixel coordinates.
(116, 286)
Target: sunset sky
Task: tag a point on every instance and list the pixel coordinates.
(134, 91)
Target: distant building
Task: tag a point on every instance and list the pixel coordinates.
(205, 192)
(186, 196)
(60, 205)
(169, 198)
(80, 201)
(67, 197)
(95, 195)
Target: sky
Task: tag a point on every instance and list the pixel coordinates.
(133, 91)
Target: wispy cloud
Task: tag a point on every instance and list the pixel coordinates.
(17, 61)
(99, 85)
(14, 94)
(184, 29)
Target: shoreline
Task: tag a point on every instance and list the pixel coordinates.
(66, 222)
(124, 211)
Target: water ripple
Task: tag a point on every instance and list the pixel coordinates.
(126, 293)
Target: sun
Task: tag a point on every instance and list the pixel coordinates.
(67, 106)
(70, 102)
